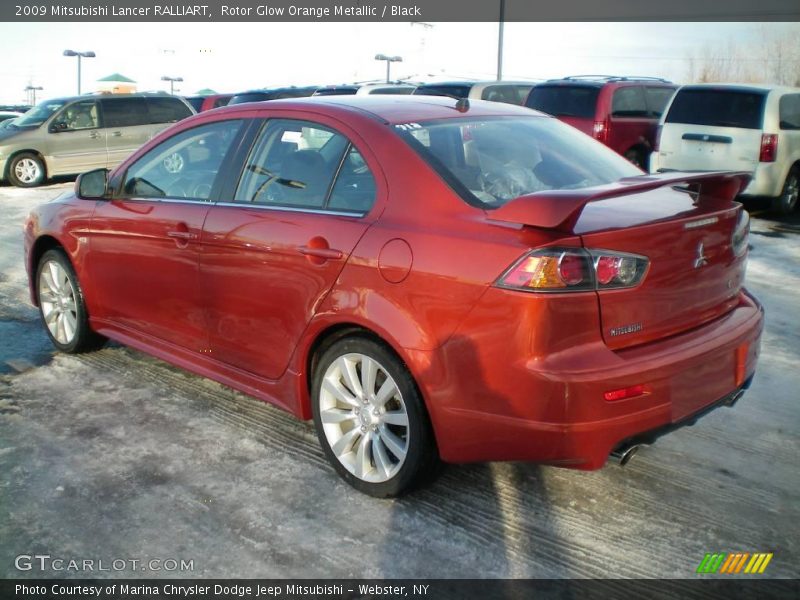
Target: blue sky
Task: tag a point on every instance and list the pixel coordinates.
(238, 56)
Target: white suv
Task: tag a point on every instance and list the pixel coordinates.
(710, 127)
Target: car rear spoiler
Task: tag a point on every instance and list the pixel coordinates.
(560, 209)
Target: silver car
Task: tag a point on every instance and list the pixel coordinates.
(66, 136)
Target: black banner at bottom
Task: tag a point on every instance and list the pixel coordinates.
(395, 589)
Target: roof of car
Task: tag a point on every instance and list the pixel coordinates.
(395, 108)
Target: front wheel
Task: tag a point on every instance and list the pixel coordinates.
(61, 305)
(786, 203)
(370, 418)
(26, 170)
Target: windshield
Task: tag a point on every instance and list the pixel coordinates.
(39, 113)
(490, 161)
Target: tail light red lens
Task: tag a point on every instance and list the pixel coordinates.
(574, 270)
(600, 131)
(769, 147)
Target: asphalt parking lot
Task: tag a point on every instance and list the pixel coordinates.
(116, 455)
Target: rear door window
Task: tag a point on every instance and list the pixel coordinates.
(167, 110)
(789, 111)
(657, 99)
(564, 100)
(293, 164)
(718, 107)
(629, 101)
(124, 112)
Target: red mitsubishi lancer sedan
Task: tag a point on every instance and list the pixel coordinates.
(428, 279)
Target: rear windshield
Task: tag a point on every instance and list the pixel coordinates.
(490, 161)
(250, 97)
(455, 91)
(721, 108)
(564, 100)
(508, 93)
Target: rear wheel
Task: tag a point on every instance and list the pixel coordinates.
(26, 170)
(786, 203)
(370, 418)
(61, 305)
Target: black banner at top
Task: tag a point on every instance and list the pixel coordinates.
(398, 10)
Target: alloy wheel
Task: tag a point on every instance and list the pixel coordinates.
(27, 170)
(364, 417)
(57, 300)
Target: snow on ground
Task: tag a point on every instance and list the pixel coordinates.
(116, 455)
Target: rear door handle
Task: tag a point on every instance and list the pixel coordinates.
(116, 133)
(182, 235)
(324, 253)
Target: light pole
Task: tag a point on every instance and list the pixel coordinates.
(172, 81)
(32, 93)
(87, 54)
(389, 60)
(500, 40)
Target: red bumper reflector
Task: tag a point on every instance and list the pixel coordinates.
(741, 363)
(625, 393)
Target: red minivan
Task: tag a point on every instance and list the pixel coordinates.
(621, 112)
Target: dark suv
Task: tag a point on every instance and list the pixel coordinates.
(272, 94)
(621, 112)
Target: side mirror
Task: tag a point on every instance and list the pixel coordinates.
(92, 185)
(58, 126)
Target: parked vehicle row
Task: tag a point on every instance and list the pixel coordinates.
(425, 279)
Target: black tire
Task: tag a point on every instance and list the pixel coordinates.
(787, 202)
(82, 339)
(31, 170)
(638, 157)
(421, 458)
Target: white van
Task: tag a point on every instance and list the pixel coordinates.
(756, 128)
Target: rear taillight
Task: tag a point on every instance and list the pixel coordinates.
(769, 147)
(600, 131)
(574, 270)
(741, 234)
(657, 139)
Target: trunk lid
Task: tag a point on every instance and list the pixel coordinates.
(693, 276)
(682, 222)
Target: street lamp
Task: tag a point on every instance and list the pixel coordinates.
(172, 81)
(87, 54)
(32, 93)
(389, 60)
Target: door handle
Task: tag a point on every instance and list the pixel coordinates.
(182, 235)
(116, 133)
(324, 253)
(94, 135)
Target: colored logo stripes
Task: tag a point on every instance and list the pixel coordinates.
(735, 562)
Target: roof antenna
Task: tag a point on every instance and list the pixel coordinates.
(462, 105)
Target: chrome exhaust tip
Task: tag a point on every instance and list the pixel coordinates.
(624, 454)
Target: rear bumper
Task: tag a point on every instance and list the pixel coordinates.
(767, 180)
(560, 416)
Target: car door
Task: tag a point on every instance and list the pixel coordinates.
(127, 124)
(75, 140)
(274, 250)
(145, 243)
